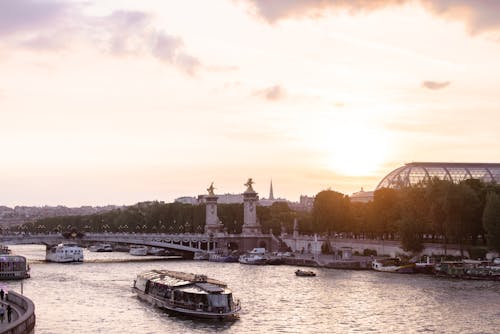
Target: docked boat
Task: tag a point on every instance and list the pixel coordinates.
(305, 273)
(101, 248)
(13, 267)
(256, 256)
(138, 250)
(393, 265)
(469, 269)
(157, 251)
(200, 256)
(4, 250)
(64, 253)
(426, 266)
(223, 257)
(187, 294)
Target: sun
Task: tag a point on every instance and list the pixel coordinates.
(356, 149)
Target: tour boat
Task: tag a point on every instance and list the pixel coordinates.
(305, 273)
(187, 294)
(138, 250)
(64, 253)
(101, 248)
(13, 267)
(393, 265)
(256, 256)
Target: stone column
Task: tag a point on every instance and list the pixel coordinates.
(212, 222)
(250, 222)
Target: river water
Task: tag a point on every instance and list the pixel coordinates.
(95, 297)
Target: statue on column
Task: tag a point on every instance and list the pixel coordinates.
(211, 190)
(249, 185)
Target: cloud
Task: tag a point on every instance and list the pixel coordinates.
(479, 16)
(272, 93)
(45, 25)
(435, 85)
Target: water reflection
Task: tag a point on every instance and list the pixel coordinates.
(96, 297)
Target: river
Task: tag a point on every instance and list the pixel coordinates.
(95, 297)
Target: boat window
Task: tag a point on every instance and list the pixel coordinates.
(218, 300)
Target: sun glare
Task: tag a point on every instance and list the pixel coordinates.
(356, 150)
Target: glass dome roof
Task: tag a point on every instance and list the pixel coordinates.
(415, 172)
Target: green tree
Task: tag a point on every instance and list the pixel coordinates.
(386, 211)
(330, 211)
(491, 221)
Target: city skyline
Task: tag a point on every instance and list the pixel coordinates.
(105, 102)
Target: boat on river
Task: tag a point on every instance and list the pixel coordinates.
(393, 265)
(305, 273)
(187, 294)
(256, 256)
(101, 248)
(469, 269)
(138, 250)
(13, 267)
(222, 256)
(64, 253)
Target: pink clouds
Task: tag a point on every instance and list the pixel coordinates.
(49, 25)
(479, 16)
(272, 93)
(435, 85)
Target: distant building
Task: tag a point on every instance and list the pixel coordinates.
(187, 200)
(362, 196)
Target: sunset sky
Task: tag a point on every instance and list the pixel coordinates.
(116, 102)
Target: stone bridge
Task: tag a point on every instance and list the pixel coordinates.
(186, 244)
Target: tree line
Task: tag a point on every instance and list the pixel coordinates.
(158, 217)
(465, 213)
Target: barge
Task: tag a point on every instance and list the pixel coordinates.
(188, 294)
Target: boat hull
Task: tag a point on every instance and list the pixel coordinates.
(170, 306)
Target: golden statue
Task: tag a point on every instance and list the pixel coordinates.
(211, 190)
(249, 185)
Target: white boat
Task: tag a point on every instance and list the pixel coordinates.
(64, 253)
(101, 248)
(138, 250)
(187, 294)
(256, 256)
(393, 265)
(13, 267)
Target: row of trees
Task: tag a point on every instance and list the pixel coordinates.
(466, 213)
(156, 217)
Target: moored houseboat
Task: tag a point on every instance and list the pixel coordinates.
(64, 253)
(469, 269)
(13, 267)
(188, 294)
(393, 265)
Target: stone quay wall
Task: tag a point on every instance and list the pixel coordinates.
(25, 323)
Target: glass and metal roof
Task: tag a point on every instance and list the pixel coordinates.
(416, 172)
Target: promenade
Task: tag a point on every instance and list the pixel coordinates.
(16, 311)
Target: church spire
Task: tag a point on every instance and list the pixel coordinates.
(271, 195)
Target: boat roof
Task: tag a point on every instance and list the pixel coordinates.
(12, 258)
(177, 278)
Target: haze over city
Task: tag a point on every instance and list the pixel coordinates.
(116, 102)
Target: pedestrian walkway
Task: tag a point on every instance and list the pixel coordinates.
(15, 315)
